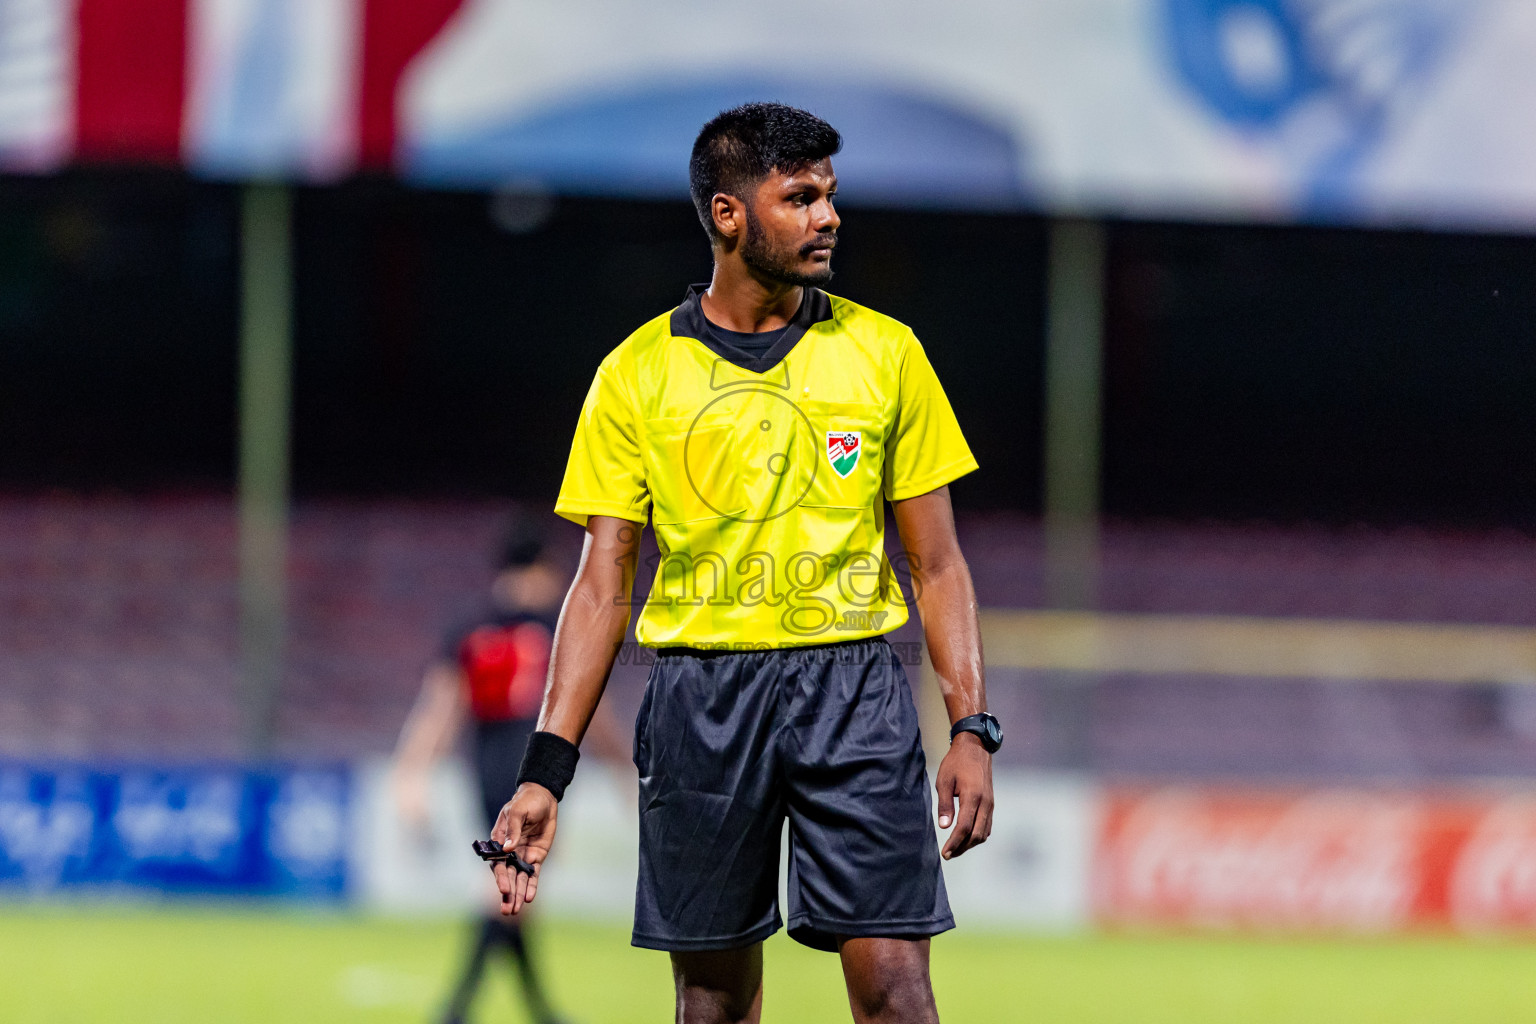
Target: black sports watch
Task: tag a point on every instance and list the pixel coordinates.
(986, 727)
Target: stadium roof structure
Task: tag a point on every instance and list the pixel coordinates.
(900, 148)
(1398, 112)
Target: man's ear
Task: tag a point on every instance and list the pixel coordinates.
(729, 215)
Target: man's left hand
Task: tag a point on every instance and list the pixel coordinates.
(965, 776)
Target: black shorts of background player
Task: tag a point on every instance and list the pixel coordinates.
(489, 674)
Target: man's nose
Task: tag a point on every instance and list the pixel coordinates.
(826, 217)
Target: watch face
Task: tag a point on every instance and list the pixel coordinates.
(984, 727)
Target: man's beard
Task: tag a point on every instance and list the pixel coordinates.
(780, 263)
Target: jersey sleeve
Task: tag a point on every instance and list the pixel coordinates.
(925, 449)
(605, 475)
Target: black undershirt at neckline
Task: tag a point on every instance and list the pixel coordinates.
(754, 344)
(688, 321)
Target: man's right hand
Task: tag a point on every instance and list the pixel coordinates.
(525, 825)
(578, 670)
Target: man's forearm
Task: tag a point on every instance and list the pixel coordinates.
(591, 628)
(945, 599)
(947, 604)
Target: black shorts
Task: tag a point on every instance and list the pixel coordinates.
(730, 743)
(498, 753)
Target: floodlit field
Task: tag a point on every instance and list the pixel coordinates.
(234, 967)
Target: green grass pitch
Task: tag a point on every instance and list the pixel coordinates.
(203, 965)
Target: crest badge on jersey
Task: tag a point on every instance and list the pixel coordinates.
(843, 448)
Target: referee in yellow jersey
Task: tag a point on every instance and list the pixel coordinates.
(761, 426)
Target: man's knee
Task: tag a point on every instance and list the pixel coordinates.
(894, 999)
(888, 981)
(719, 987)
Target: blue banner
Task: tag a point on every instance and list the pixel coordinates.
(203, 830)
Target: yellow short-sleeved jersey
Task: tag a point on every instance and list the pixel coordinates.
(764, 477)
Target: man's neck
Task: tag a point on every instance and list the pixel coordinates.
(739, 300)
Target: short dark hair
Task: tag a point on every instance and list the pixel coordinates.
(523, 544)
(740, 147)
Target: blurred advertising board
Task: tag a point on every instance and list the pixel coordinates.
(427, 867)
(1033, 872)
(1328, 859)
(1341, 111)
(1065, 852)
(419, 867)
(202, 830)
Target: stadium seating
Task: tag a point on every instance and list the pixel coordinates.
(118, 637)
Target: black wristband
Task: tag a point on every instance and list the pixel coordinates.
(550, 761)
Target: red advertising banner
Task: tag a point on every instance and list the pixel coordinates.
(1346, 860)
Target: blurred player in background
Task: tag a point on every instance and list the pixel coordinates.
(491, 672)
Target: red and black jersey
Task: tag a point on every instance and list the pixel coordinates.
(504, 660)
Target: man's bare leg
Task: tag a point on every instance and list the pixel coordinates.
(719, 987)
(888, 980)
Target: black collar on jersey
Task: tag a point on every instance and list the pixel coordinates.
(688, 322)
